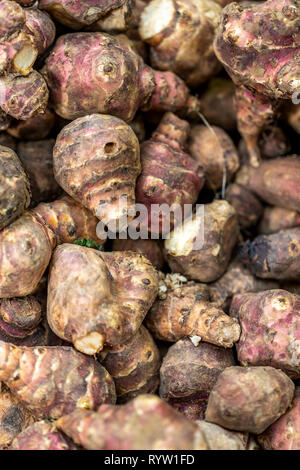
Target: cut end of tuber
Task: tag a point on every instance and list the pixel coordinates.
(25, 59)
(90, 344)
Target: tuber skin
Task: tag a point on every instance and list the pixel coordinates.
(79, 13)
(270, 323)
(35, 128)
(102, 173)
(169, 175)
(209, 262)
(249, 399)
(27, 244)
(276, 181)
(41, 436)
(116, 21)
(219, 438)
(247, 206)
(146, 422)
(14, 418)
(273, 142)
(275, 256)
(185, 311)
(188, 374)
(97, 298)
(116, 80)
(151, 249)
(258, 44)
(19, 316)
(14, 187)
(236, 280)
(37, 160)
(23, 97)
(212, 148)
(53, 381)
(42, 29)
(284, 434)
(181, 35)
(276, 218)
(134, 366)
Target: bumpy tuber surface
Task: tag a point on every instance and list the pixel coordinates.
(20, 316)
(215, 151)
(115, 80)
(96, 298)
(134, 366)
(169, 175)
(116, 21)
(217, 103)
(185, 311)
(102, 173)
(149, 248)
(42, 29)
(275, 256)
(41, 436)
(37, 160)
(146, 422)
(219, 438)
(270, 323)
(246, 204)
(53, 381)
(249, 398)
(277, 218)
(284, 434)
(14, 418)
(181, 35)
(258, 43)
(201, 248)
(35, 128)
(188, 374)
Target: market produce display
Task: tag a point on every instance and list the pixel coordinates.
(149, 225)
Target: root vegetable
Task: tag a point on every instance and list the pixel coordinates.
(276, 218)
(207, 261)
(134, 366)
(23, 97)
(275, 256)
(217, 103)
(19, 316)
(146, 422)
(276, 181)
(117, 20)
(14, 187)
(219, 438)
(180, 35)
(169, 175)
(149, 248)
(116, 80)
(96, 298)
(184, 312)
(236, 280)
(284, 434)
(258, 43)
(53, 381)
(247, 206)
(42, 29)
(41, 436)
(249, 399)
(14, 418)
(270, 323)
(188, 374)
(215, 151)
(26, 245)
(36, 158)
(35, 128)
(273, 142)
(101, 174)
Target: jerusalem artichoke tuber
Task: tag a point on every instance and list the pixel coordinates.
(151, 249)
(19, 316)
(277, 218)
(246, 204)
(217, 103)
(35, 128)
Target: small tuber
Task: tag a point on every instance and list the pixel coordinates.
(277, 218)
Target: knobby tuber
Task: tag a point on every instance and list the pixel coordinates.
(115, 81)
(26, 245)
(277, 218)
(275, 256)
(217, 103)
(258, 43)
(188, 374)
(270, 323)
(215, 151)
(116, 21)
(273, 142)
(149, 248)
(42, 435)
(14, 187)
(134, 366)
(35, 128)
(169, 175)
(97, 298)
(201, 247)
(181, 35)
(249, 399)
(53, 381)
(101, 174)
(246, 204)
(219, 438)
(146, 422)
(185, 311)
(19, 316)
(284, 434)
